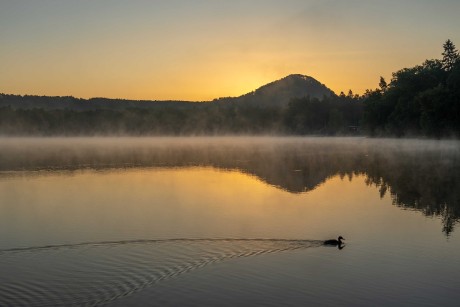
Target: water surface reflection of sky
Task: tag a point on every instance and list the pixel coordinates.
(396, 202)
(44, 208)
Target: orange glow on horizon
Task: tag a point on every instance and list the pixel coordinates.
(201, 51)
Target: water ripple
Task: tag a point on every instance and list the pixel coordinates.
(96, 273)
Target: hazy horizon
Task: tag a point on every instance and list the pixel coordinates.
(166, 99)
(201, 50)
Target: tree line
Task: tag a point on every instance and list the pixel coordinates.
(330, 116)
(419, 101)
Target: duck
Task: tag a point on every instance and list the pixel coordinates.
(334, 242)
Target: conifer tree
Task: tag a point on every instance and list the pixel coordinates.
(383, 84)
(450, 55)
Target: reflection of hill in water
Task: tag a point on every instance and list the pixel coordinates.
(424, 175)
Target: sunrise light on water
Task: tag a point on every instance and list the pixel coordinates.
(229, 153)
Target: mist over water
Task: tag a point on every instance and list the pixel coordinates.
(429, 169)
(133, 220)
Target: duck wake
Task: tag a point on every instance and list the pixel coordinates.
(101, 272)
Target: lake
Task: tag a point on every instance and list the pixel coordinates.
(229, 221)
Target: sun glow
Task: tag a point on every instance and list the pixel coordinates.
(208, 49)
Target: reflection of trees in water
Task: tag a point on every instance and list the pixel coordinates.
(422, 179)
(425, 181)
(423, 176)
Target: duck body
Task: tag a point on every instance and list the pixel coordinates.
(334, 242)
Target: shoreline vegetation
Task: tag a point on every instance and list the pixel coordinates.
(421, 101)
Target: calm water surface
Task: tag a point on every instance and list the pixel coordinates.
(229, 221)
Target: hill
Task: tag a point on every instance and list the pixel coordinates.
(264, 111)
(274, 94)
(280, 92)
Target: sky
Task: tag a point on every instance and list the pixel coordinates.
(204, 49)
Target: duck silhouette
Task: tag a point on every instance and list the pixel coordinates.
(335, 242)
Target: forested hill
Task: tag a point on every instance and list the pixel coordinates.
(263, 111)
(280, 92)
(28, 102)
(274, 94)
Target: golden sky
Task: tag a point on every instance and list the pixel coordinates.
(204, 49)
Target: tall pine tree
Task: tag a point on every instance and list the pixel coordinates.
(450, 55)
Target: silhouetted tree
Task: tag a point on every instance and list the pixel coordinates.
(383, 84)
(419, 100)
(450, 55)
